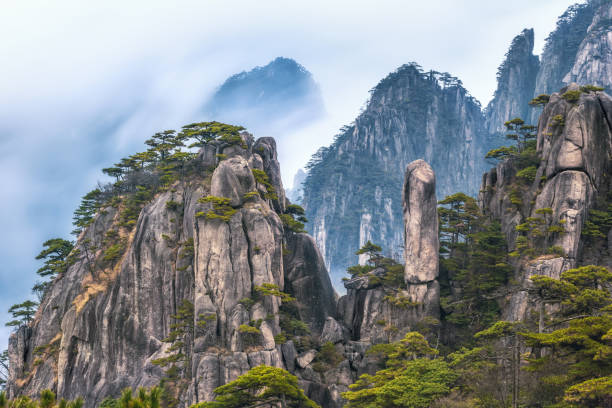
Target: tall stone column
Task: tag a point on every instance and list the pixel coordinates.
(421, 238)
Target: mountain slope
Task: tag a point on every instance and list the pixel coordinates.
(352, 192)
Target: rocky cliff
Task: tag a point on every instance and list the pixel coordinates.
(104, 323)
(578, 50)
(352, 192)
(548, 211)
(516, 78)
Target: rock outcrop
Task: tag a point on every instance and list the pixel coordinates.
(366, 309)
(574, 144)
(102, 324)
(421, 240)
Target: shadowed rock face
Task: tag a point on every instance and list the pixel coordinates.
(575, 145)
(101, 328)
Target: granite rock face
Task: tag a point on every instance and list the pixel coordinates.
(578, 50)
(593, 62)
(574, 144)
(101, 325)
(421, 224)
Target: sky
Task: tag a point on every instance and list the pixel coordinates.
(83, 84)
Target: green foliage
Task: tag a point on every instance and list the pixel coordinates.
(539, 100)
(572, 96)
(247, 303)
(173, 205)
(578, 354)
(558, 121)
(22, 313)
(524, 153)
(132, 206)
(527, 175)
(501, 153)
(46, 400)
(381, 271)
(537, 232)
(260, 386)
(591, 88)
(291, 223)
(205, 132)
(598, 223)
(409, 380)
(261, 177)
(143, 399)
(84, 214)
(177, 363)
(297, 212)
(473, 258)
(593, 393)
(55, 254)
(114, 252)
(250, 335)
(221, 208)
(400, 301)
(327, 358)
(270, 289)
(250, 195)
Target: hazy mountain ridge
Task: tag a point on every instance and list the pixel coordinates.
(270, 99)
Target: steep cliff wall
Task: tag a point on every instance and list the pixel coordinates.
(353, 190)
(103, 323)
(516, 78)
(574, 145)
(578, 50)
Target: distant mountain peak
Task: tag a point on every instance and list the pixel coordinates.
(268, 99)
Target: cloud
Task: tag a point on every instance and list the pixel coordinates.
(84, 84)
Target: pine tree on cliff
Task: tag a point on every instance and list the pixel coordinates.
(22, 313)
(261, 386)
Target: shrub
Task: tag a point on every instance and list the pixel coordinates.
(591, 88)
(291, 223)
(172, 205)
(270, 289)
(221, 210)
(527, 175)
(262, 178)
(572, 96)
(540, 100)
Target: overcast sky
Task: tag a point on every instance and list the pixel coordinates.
(84, 84)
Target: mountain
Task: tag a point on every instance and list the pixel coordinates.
(270, 99)
(352, 191)
(201, 247)
(180, 283)
(516, 79)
